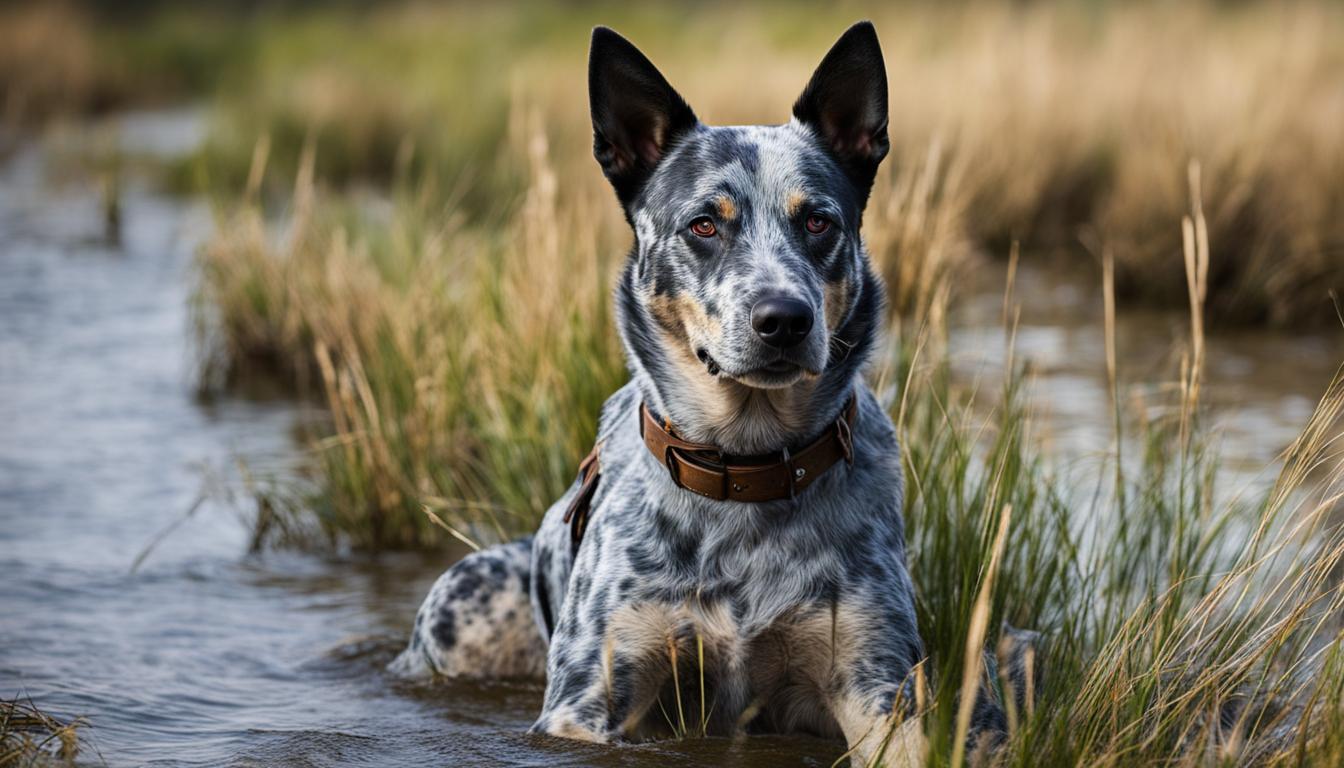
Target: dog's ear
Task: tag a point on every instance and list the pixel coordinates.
(636, 114)
(845, 102)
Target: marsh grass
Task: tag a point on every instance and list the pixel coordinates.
(48, 64)
(1067, 127)
(1180, 627)
(67, 60)
(453, 357)
(1064, 126)
(32, 738)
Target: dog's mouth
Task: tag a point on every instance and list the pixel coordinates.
(778, 368)
(711, 364)
(777, 373)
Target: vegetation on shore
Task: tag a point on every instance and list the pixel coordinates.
(31, 738)
(1065, 127)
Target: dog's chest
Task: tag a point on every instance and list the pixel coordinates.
(750, 566)
(702, 647)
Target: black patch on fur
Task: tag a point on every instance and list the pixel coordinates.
(445, 629)
(542, 579)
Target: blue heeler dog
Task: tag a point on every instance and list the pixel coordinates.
(743, 503)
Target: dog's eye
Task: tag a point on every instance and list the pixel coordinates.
(703, 227)
(816, 224)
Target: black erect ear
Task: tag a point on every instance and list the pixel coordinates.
(845, 102)
(636, 114)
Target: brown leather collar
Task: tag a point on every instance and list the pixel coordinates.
(705, 470)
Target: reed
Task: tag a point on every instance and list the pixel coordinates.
(1179, 626)
(1065, 127)
(30, 737)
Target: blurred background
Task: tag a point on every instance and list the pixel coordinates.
(328, 282)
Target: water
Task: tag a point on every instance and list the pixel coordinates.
(1260, 387)
(206, 655)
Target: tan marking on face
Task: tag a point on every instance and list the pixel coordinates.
(727, 209)
(685, 325)
(793, 202)
(684, 316)
(835, 303)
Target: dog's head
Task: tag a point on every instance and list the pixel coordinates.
(748, 270)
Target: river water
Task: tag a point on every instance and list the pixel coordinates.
(208, 655)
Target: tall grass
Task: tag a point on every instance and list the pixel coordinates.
(1067, 127)
(1178, 628)
(60, 40)
(463, 367)
(67, 59)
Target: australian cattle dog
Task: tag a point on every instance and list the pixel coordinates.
(739, 520)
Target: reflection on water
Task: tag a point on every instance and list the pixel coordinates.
(207, 656)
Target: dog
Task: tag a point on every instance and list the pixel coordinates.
(737, 531)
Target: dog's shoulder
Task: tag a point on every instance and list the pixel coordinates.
(553, 548)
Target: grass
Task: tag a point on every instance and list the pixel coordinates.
(446, 365)
(1180, 627)
(1066, 127)
(65, 60)
(31, 738)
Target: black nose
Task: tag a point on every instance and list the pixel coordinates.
(781, 322)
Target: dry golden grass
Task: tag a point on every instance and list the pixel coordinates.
(30, 738)
(1067, 127)
(450, 357)
(48, 63)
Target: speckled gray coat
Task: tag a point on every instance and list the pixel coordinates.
(798, 613)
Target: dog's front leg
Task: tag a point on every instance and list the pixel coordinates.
(873, 693)
(577, 705)
(604, 675)
(876, 734)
